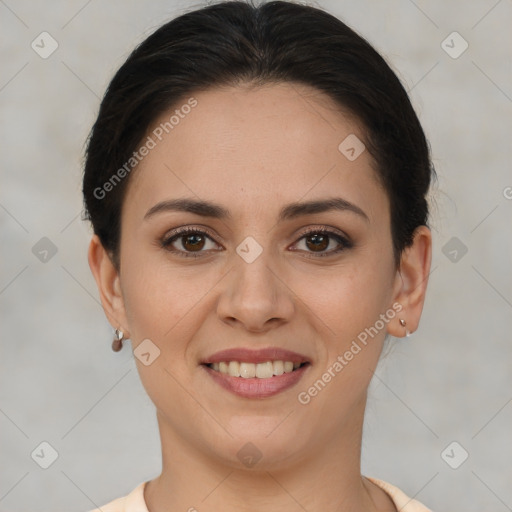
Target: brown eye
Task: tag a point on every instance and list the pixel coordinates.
(189, 242)
(317, 242)
(193, 242)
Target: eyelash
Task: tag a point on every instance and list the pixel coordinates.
(181, 232)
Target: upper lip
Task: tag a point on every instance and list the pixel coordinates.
(261, 355)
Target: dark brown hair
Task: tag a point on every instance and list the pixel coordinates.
(236, 42)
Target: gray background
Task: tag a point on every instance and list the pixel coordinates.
(61, 382)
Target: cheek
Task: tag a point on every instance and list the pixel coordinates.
(351, 307)
(350, 310)
(160, 307)
(164, 301)
(151, 296)
(352, 299)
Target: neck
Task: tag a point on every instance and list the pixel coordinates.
(326, 478)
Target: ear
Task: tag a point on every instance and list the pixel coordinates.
(109, 287)
(411, 282)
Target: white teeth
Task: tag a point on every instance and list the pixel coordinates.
(278, 367)
(234, 368)
(264, 370)
(247, 370)
(251, 370)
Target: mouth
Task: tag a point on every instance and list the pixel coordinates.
(256, 380)
(265, 370)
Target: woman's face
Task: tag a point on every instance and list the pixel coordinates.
(261, 275)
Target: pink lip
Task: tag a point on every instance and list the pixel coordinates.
(262, 355)
(255, 387)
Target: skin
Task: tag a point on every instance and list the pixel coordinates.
(254, 150)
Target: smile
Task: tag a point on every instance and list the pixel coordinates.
(264, 370)
(256, 380)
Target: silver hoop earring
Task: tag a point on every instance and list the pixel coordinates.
(117, 343)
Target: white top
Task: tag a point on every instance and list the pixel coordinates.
(134, 502)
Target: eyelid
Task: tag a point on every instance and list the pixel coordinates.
(324, 228)
(183, 230)
(334, 233)
(173, 235)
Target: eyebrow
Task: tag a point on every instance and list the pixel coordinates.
(288, 212)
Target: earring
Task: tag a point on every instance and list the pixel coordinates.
(403, 323)
(117, 343)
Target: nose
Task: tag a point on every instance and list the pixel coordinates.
(256, 296)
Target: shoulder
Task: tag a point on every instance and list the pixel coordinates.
(400, 499)
(117, 505)
(133, 502)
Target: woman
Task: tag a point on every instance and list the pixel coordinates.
(257, 180)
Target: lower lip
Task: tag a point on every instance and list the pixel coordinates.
(257, 388)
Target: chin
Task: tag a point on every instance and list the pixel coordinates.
(267, 444)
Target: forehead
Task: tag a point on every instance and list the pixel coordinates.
(255, 146)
